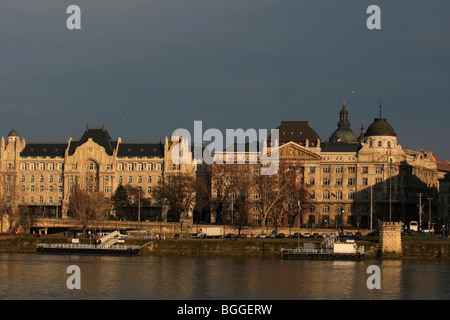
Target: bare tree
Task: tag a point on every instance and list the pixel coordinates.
(87, 207)
(178, 191)
(10, 209)
(222, 181)
(280, 193)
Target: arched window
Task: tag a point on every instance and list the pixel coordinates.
(380, 143)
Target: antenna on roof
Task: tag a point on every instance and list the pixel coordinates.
(380, 110)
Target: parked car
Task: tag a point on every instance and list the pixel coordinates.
(230, 235)
(358, 234)
(281, 235)
(372, 234)
(262, 235)
(349, 234)
(242, 235)
(324, 235)
(296, 235)
(315, 235)
(306, 235)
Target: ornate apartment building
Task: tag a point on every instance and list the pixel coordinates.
(40, 176)
(356, 179)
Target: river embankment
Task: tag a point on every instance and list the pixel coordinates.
(249, 247)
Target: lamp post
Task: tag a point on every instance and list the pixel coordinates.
(139, 204)
(371, 201)
(420, 210)
(429, 212)
(298, 223)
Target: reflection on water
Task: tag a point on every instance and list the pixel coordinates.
(29, 276)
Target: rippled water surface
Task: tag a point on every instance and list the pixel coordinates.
(30, 276)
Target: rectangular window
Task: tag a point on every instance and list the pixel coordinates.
(326, 170)
(351, 181)
(365, 170)
(351, 169)
(312, 169)
(326, 181)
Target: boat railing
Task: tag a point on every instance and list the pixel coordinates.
(302, 250)
(83, 246)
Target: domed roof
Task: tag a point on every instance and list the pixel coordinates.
(13, 133)
(380, 127)
(343, 133)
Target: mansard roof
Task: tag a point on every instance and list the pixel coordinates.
(102, 138)
(51, 150)
(99, 136)
(140, 150)
(296, 131)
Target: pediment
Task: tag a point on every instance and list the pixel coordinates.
(293, 151)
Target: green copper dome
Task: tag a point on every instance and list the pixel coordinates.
(343, 133)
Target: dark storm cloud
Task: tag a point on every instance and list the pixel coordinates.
(145, 67)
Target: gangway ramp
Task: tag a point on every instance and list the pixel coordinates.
(108, 240)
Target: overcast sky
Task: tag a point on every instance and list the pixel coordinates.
(144, 67)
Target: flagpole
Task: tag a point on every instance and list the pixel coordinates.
(390, 187)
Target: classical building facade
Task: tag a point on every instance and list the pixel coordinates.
(356, 180)
(40, 176)
(353, 180)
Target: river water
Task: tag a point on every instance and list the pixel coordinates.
(44, 277)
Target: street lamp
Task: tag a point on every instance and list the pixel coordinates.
(139, 204)
(429, 212)
(420, 210)
(298, 223)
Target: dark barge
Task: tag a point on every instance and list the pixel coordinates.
(90, 249)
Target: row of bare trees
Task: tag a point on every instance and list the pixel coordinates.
(230, 191)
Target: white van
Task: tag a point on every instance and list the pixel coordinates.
(413, 226)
